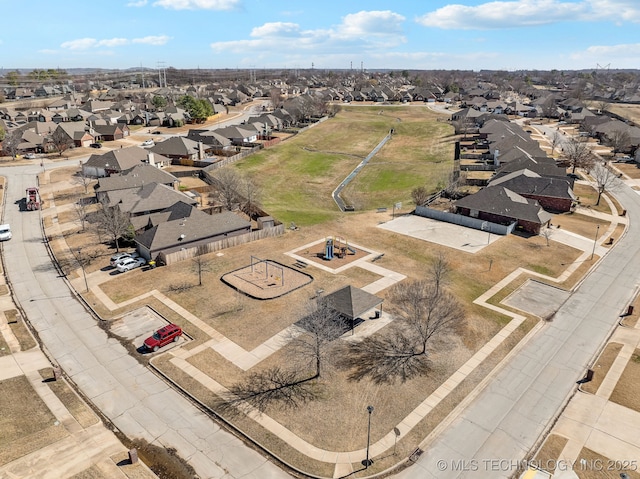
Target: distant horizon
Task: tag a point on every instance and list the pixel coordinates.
(467, 35)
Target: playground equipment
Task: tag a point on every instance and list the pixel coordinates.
(33, 199)
(337, 247)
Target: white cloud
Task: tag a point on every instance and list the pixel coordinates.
(198, 4)
(624, 50)
(276, 29)
(519, 13)
(372, 23)
(362, 31)
(79, 44)
(92, 43)
(112, 42)
(153, 40)
(138, 3)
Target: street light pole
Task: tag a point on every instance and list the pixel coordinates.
(595, 241)
(367, 462)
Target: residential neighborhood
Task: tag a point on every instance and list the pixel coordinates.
(487, 259)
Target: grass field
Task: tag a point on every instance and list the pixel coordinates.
(298, 176)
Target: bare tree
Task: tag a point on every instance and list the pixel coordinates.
(425, 310)
(200, 263)
(619, 139)
(80, 178)
(11, 142)
(228, 182)
(275, 95)
(546, 233)
(440, 271)
(420, 195)
(61, 140)
(81, 210)
(606, 179)
(250, 194)
(578, 154)
(602, 106)
(113, 222)
(313, 343)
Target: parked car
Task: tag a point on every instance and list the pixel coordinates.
(148, 143)
(30, 156)
(119, 257)
(163, 336)
(128, 264)
(95, 145)
(156, 132)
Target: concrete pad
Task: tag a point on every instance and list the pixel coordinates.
(439, 232)
(537, 298)
(9, 368)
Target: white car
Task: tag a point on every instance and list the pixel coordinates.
(5, 232)
(129, 264)
(118, 258)
(148, 143)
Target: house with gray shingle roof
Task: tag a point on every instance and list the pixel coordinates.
(498, 204)
(187, 228)
(147, 199)
(134, 178)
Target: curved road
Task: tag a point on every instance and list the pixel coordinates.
(504, 422)
(138, 402)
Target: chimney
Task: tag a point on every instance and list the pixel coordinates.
(150, 158)
(200, 151)
(496, 154)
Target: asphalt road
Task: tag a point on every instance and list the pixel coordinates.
(491, 437)
(138, 402)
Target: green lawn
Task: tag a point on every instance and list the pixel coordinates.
(298, 175)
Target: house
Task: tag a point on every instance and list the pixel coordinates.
(114, 161)
(179, 148)
(77, 133)
(111, 132)
(211, 139)
(134, 178)
(498, 204)
(553, 194)
(184, 226)
(239, 135)
(147, 199)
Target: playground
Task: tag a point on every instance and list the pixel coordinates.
(266, 279)
(333, 251)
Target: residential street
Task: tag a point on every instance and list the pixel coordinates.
(137, 401)
(506, 419)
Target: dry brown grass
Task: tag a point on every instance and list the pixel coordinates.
(25, 421)
(627, 391)
(588, 196)
(597, 466)
(76, 406)
(626, 110)
(632, 170)
(580, 224)
(601, 367)
(550, 452)
(20, 330)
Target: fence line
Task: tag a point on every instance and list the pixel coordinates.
(188, 253)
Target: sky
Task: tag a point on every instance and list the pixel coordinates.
(326, 34)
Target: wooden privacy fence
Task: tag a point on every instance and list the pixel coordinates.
(204, 248)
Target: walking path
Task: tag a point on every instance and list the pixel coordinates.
(247, 359)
